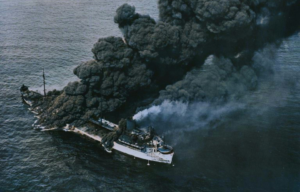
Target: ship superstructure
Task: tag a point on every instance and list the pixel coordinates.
(142, 143)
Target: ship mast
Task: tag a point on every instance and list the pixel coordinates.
(44, 83)
(101, 97)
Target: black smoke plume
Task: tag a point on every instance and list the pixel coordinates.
(164, 60)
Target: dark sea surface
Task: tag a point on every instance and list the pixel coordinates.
(252, 148)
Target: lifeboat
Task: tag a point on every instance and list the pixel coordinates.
(165, 149)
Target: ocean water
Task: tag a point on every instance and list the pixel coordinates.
(253, 148)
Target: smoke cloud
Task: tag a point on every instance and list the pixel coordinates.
(199, 51)
(225, 92)
(166, 108)
(174, 118)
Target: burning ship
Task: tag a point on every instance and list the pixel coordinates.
(142, 142)
(126, 137)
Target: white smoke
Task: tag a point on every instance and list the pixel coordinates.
(176, 116)
(174, 119)
(166, 108)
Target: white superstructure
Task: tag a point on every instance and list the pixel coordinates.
(150, 154)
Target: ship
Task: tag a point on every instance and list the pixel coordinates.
(139, 142)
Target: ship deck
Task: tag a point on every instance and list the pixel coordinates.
(150, 156)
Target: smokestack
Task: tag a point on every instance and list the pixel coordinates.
(130, 124)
